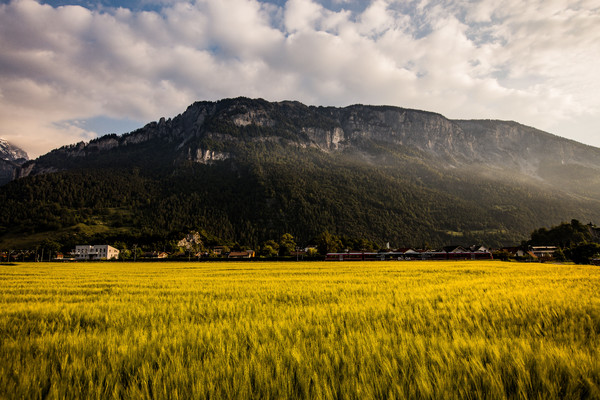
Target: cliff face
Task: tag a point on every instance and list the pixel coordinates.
(502, 141)
(207, 131)
(11, 158)
(210, 132)
(7, 171)
(425, 131)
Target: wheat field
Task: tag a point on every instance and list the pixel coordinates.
(378, 330)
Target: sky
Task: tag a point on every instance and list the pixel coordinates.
(72, 70)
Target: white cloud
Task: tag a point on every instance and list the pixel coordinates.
(534, 62)
(302, 15)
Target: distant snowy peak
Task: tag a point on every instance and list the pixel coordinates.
(10, 152)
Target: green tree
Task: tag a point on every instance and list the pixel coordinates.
(583, 253)
(311, 252)
(287, 244)
(501, 255)
(270, 248)
(51, 247)
(328, 243)
(125, 254)
(559, 255)
(563, 235)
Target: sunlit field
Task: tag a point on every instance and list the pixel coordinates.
(433, 330)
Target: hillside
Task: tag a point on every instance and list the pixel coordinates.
(248, 170)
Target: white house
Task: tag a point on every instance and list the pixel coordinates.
(96, 252)
(543, 251)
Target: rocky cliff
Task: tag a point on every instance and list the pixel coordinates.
(11, 158)
(207, 132)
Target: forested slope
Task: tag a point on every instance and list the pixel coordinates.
(246, 171)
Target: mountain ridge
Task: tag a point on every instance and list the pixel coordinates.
(248, 170)
(343, 128)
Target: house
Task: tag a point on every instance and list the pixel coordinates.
(532, 255)
(433, 254)
(473, 253)
(219, 250)
(455, 249)
(95, 252)
(479, 249)
(405, 253)
(543, 252)
(515, 251)
(242, 254)
(156, 254)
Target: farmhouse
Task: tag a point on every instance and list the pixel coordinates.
(219, 250)
(242, 254)
(545, 252)
(515, 251)
(95, 252)
(155, 254)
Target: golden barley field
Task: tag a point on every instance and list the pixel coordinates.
(377, 330)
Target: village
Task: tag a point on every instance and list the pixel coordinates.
(107, 252)
(569, 241)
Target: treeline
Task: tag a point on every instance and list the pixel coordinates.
(193, 244)
(575, 241)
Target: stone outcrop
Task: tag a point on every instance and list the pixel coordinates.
(206, 156)
(11, 159)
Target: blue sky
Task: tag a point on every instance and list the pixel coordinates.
(73, 70)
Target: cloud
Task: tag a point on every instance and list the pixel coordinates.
(534, 62)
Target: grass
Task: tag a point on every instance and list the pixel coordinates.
(101, 222)
(299, 330)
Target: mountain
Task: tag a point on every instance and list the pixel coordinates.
(247, 170)
(11, 157)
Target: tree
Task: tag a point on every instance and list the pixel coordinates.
(559, 255)
(563, 235)
(191, 243)
(501, 255)
(328, 243)
(270, 248)
(125, 254)
(311, 252)
(287, 244)
(583, 253)
(51, 246)
(365, 245)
